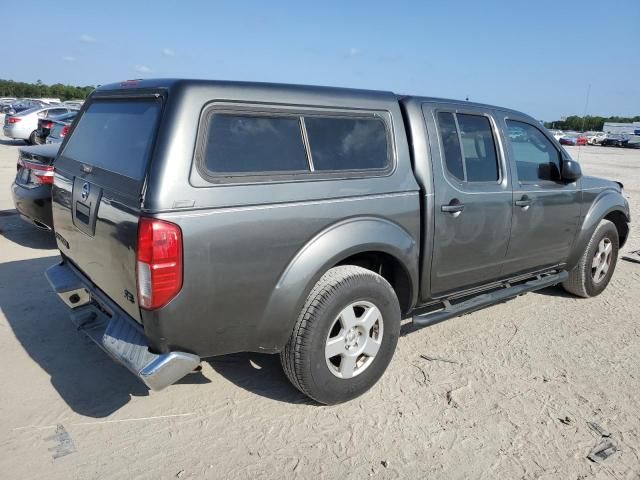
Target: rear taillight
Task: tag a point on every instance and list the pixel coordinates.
(42, 174)
(159, 262)
(47, 124)
(13, 119)
(64, 131)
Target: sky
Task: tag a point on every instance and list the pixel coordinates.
(547, 58)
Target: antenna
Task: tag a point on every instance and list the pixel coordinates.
(584, 115)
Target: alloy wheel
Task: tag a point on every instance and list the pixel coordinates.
(354, 339)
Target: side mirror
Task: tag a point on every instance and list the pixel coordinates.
(571, 171)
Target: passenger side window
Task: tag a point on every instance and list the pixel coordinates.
(451, 144)
(536, 157)
(469, 147)
(254, 144)
(342, 143)
(479, 148)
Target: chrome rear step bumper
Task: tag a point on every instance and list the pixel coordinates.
(115, 332)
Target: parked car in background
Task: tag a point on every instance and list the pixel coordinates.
(20, 106)
(59, 129)
(633, 141)
(49, 101)
(596, 138)
(517, 134)
(24, 125)
(46, 126)
(5, 101)
(74, 103)
(615, 140)
(31, 188)
(557, 134)
(573, 138)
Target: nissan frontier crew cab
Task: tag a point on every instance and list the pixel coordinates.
(201, 218)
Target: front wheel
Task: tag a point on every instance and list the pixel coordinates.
(345, 335)
(594, 270)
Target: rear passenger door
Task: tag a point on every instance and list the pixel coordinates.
(546, 210)
(472, 197)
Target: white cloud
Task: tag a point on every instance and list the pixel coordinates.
(87, 38)
(142, 69)
(69, 58)
(167, 52)
(354, 52)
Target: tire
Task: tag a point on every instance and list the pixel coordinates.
(345, 296)
(588, 279)
(33, 138)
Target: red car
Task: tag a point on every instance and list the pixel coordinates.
(573, 139)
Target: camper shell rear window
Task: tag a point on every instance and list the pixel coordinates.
(116, 135)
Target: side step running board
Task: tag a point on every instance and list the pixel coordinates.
(486, 299)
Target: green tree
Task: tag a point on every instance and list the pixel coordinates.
(583, 124)
(10, 88)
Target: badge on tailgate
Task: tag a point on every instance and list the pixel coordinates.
(86, 200)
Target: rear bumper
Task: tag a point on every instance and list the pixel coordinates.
(34, 204)
(14, 131)
(115, 332)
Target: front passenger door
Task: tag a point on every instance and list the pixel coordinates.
(546, 210)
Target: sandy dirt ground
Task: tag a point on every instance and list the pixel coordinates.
(508, 392)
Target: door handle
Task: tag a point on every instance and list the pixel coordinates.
(454, 207)
(525, 202)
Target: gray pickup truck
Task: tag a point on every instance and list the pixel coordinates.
(200, 218)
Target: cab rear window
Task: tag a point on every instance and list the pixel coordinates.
(115, 135)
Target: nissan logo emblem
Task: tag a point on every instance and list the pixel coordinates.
(85, 190)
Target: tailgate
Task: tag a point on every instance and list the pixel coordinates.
(96, 196)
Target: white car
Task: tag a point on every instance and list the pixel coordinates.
(557, 134)
(50, 101)
(24, 125)
(596, 138)
(73, 103)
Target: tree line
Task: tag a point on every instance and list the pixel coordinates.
(9, 88)
(583, 124)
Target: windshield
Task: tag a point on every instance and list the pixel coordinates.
(115, 135)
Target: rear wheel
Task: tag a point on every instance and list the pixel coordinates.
(595, 268)
(34, 139)
(345, 336)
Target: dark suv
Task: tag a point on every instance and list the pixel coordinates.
(201, 218)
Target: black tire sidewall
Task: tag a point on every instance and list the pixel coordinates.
(606, 230)
(330, 388)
